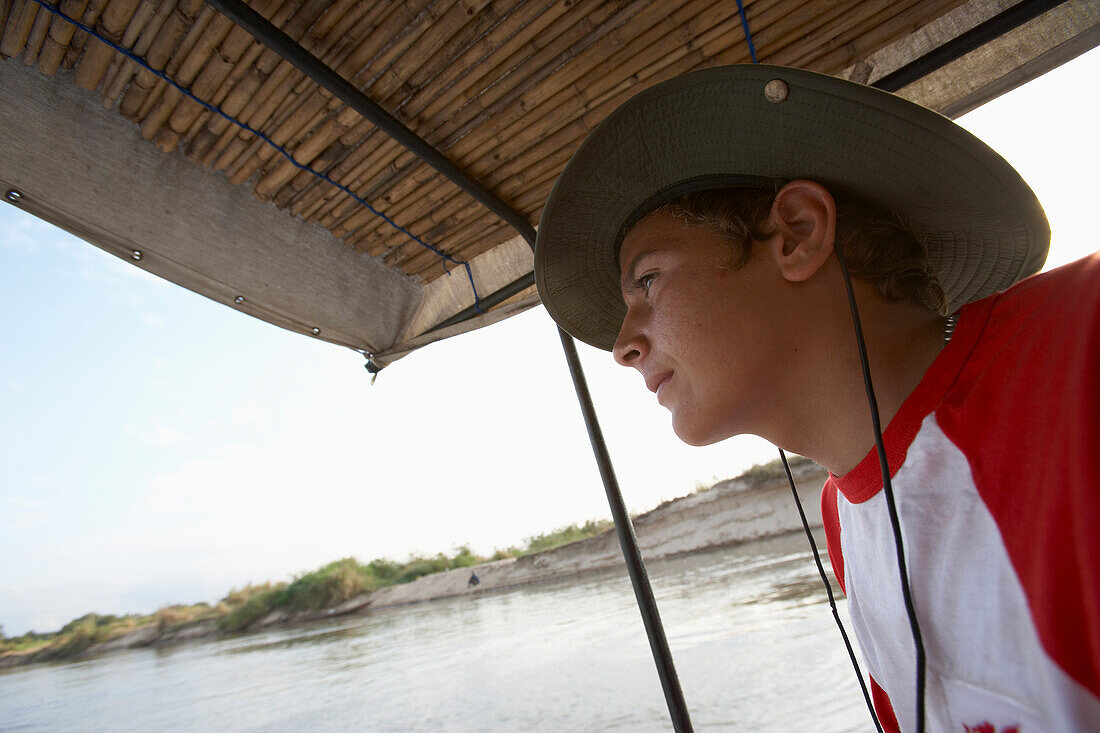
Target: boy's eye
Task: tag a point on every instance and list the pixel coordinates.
(645, 281)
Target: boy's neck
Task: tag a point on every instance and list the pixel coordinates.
(902, 342)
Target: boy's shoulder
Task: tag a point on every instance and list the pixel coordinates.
(1064, 292)
(1043, 319)
(1025, 403)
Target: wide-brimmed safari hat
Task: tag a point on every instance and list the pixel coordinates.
(725, 126)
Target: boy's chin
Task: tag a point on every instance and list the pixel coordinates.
(696, 435)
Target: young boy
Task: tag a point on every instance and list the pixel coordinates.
(695, 234)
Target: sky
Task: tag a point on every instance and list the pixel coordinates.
(157, 447)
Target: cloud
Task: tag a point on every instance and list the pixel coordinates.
(152, 319)
(23, 513)
(23, 502)
(23, 232)
(23, 521)
(163, 436)
(250, 414)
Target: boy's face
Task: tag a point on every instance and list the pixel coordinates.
(705, 337)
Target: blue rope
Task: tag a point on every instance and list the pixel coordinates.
(748, 33)
(216, 110)
(470, 275)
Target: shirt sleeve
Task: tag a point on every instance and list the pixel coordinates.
(1027, 416)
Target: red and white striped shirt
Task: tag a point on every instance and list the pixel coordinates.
(995, 459)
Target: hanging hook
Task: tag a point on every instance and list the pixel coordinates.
(372, 367)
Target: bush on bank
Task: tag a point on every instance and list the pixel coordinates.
(74, 637)
(323, 588)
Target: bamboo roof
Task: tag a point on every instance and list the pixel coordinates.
(506, 89)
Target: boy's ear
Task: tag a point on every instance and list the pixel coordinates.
(803, 223)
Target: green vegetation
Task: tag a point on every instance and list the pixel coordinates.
(74, 637)
(249, 604)
(320, 589)
(324, 588)
(567, 534)
(762, 473)
(181, 615)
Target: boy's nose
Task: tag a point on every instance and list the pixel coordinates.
(630, 346)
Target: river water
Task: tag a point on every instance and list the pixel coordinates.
(751, 634)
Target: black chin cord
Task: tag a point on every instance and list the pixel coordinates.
(829, 591)
(888, 489)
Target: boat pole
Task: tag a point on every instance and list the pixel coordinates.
(639, 578)
(290, 50)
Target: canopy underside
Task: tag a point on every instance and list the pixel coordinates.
(102, 146)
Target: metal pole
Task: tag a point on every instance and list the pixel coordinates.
(516, 286)
(639, 578)
(307, 63)
(963, 44)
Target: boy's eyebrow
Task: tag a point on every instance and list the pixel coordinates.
(629, 275)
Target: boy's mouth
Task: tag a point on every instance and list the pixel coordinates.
(656, 383)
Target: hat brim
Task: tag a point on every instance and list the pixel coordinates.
(983, 225)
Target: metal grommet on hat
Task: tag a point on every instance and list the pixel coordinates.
(776, 91)
(982, 223)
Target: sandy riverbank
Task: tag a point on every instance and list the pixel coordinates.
(731, 512)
